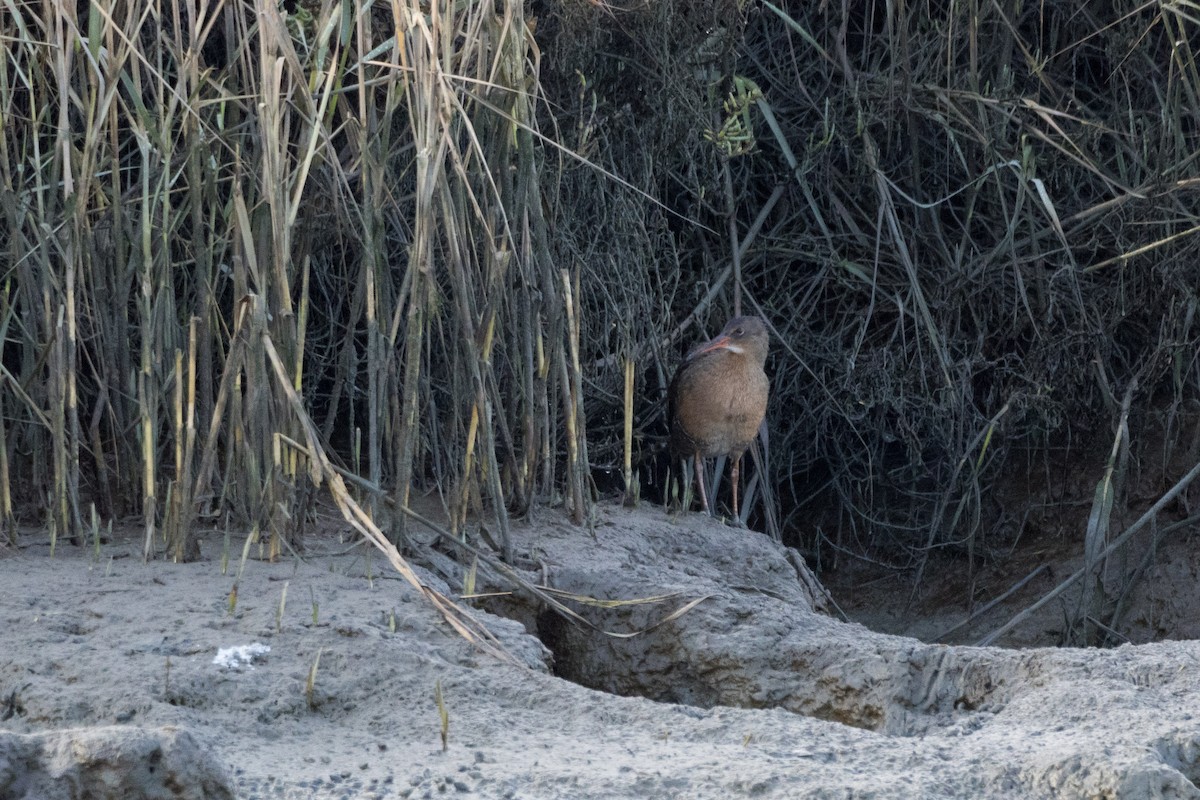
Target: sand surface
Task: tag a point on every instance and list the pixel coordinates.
(100, 638)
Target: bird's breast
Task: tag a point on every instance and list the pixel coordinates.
(719, 405)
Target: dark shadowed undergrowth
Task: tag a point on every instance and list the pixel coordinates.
(244, 246)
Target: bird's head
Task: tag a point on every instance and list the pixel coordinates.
(742, 336)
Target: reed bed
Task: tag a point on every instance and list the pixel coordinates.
(478, 235)
(189, 187)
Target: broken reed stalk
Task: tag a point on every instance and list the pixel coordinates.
(279, 610)
(310, 683)
(443, 714)
(321, 470)
(549, 597)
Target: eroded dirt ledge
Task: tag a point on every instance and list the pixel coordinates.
(1053, 722)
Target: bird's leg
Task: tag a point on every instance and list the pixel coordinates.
(700, 482)
(737, 463)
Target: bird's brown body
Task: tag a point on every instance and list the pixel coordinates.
(718, 397)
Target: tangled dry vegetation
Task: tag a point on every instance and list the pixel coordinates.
(972, 228)
(244, 242)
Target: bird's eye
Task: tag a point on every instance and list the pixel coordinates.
(738, 332)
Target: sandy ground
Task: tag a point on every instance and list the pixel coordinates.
(94, 639)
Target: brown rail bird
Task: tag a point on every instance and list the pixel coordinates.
(718, 398)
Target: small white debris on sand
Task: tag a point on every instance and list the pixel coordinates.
(242, 656)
